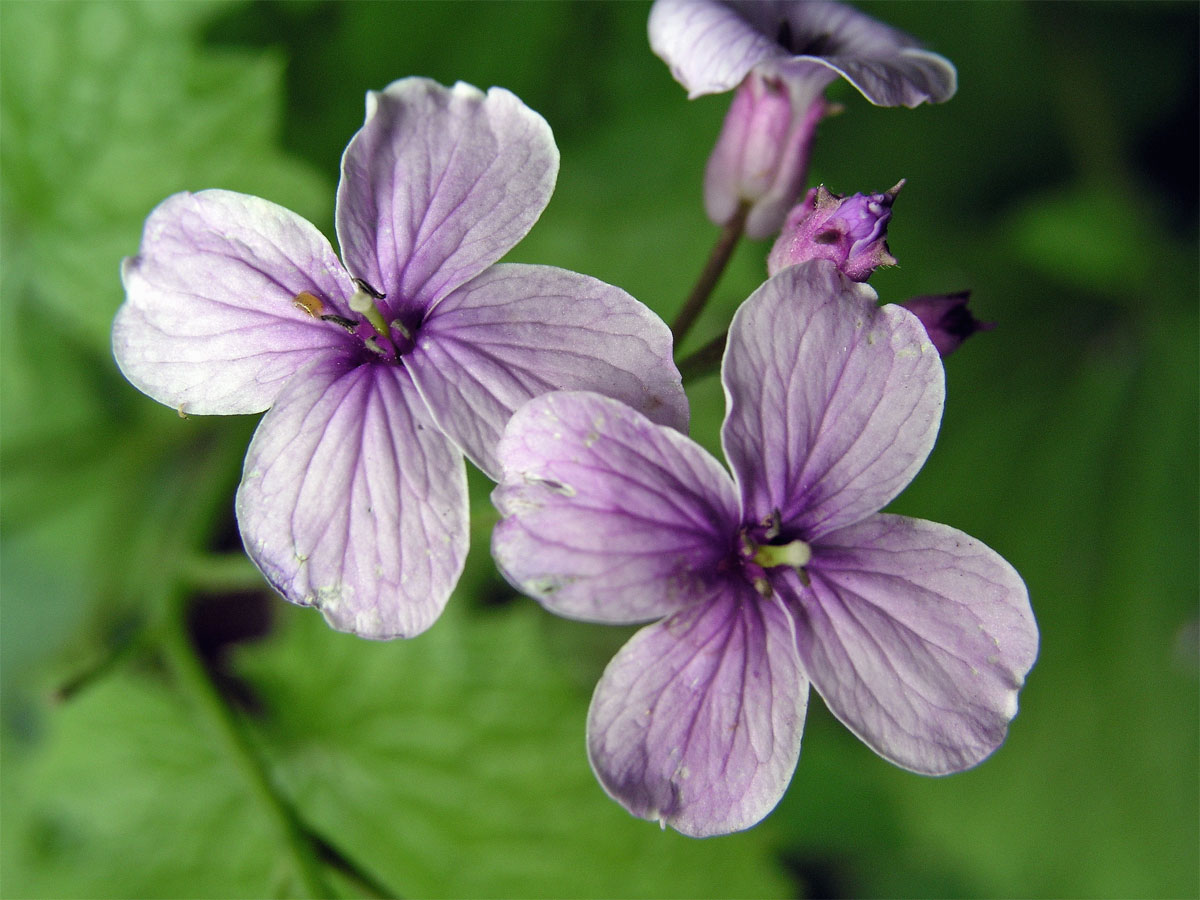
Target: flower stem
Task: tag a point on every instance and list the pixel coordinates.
(705, 360)
(711, 274)
(221, 572)
(194, 680)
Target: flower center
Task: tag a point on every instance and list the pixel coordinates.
(363, 302)
(803, 44)
(763, 547)
(384, 340)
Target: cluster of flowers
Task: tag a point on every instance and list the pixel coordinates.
(379, 371)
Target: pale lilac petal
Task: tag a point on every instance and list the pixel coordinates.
(607, 516)
(210, 322)
(834, 403)
(353, 502)
(820, 28)
(887, 66)
(439, 184)
(696, 722)
(918, 637)
(908, 78)
(518, 331)
(710, 47)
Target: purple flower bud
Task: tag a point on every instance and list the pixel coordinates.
(850, 232)
(761, 157)
(946, 319)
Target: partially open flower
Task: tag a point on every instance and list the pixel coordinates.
(850, 232)
(794, 50)
(946, 319)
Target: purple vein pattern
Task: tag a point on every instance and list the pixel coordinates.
(917, 636)
(381, 369)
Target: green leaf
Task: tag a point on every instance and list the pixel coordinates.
(451, 765)
(107, 109)
(1096, 239)
(127, 796)
(454, 765)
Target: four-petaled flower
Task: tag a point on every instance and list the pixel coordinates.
(916, 635)
(781, 55)
(380, 373)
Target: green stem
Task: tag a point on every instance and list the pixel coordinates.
(717, 260)
(194, 680)
(705, 360)
(221, 572)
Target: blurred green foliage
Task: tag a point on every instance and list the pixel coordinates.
(1059, 184)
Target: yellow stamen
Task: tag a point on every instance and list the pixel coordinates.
(310, 303)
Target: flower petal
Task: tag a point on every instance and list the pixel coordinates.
(833, 402)
(518, 331)
(711, 46)
(439, 184)
(607, 516)
(696, 722)
(909, 78)
(353, 502)
(887, 66)
(918, 637)
(708, 46)
(210, 323)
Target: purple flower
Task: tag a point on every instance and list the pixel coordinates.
(917, 636)
(850, 232)
(380, 373)
(784, 52)
(946, 319)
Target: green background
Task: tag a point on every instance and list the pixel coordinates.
(1059, 184)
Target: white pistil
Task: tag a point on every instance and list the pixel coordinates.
(364, 304)
(795, 554)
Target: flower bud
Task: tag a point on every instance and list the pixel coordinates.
(850, 232)
(761, 156)
(946, 319)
